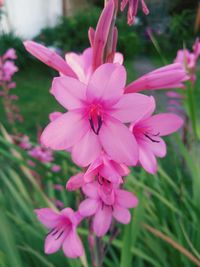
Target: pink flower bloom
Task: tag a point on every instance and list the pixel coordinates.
(55, 168)
(104, 202)
(81, 64)
(49, 58)
(132, 9)
(25, 142)
(62, 226)
(148, 132)
(42, 154)
(104, 166)
(189, 59)
(170, 76)
(9, 69)
(174, 95)
(96, 116)
(1, 3)
(58, 187)
(75, 182)
(10, 54)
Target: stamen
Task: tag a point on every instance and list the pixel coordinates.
(99, 124)
(59, 235)
(153, 140)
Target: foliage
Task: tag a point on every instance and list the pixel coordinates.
(11, 40)
(164, 231)
(71, 33)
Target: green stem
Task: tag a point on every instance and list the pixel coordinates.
(191, 108)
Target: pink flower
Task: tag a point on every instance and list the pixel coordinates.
(10, 54)
(75, 182)
(49, 58)
(1, 3)
(96, 116)
(104, 166)
(62, 226)
(170, 76)
(9, 70)
(132, 9)
(42, 154)
(25, 142)
(55, 168)
(104, 202)
(148, 132)
(81, 64)
(189, 59)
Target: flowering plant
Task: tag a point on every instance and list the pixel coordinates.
(109, 126)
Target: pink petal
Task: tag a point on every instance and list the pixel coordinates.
(126, 199)
(75, 182)
(166, 77)
(88, 207)
(81, 64)
(102, 220)
(75, 62)
(107, 83)
(72, 247)
(121, 214)
(47, 217)
(87, 149)
(64, 132)
(49, 58)
(109, 172)
(158, 149)
(118, 142)
(69, 92)
(132, 107)
(91, 190)
(164, 123)
(91, 35)
(52, 244)
(54, 115)
(122, 169)
(92, 170)
(118, 58)
(147, 160)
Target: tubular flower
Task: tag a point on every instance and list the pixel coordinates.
(170, 76)
(49, 57)
(104, 201)
(62, 231)
(148, 132)
(96, 116)
(188, 59)
(132, 9)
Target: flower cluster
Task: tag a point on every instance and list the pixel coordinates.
(108, 127)
(7, 70)
(189, 59)
(189, 62)
(42, 154)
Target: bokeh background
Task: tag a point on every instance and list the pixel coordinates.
(165, 230)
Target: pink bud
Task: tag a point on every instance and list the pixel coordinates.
(75, 182)
(50, 58)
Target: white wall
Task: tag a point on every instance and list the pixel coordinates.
(27, 17)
